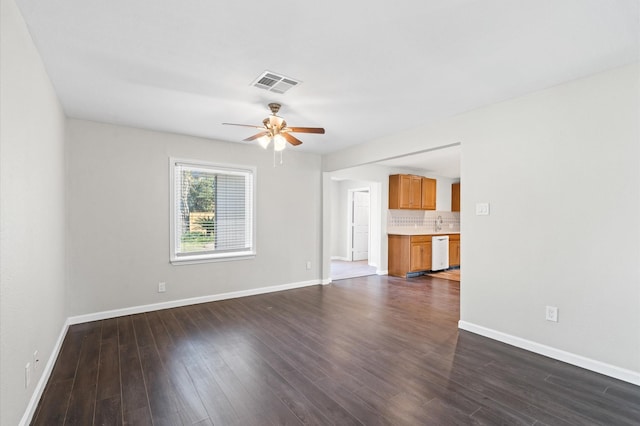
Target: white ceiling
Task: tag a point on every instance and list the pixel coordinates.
(369, 68)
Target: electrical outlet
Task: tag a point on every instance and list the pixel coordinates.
(162, 287)
(308, 264)
(552, 314)
(27, 375)
(36, 360)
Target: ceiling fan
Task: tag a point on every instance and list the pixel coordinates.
(276, 129)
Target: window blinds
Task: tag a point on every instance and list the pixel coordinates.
(213, 210)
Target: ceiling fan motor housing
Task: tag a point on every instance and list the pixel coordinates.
(274, 107)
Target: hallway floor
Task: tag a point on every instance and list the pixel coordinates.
(341, 269)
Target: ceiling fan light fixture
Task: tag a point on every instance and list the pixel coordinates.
(264, 141)
(279, 143)
(274, 128)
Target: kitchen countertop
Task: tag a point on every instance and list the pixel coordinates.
(419, 232)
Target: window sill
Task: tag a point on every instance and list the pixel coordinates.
(208, 258)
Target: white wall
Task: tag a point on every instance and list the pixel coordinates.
(118, 241)
(560, 168)
(32, 240)
(337, 249)
(561, 171)
(443, 192)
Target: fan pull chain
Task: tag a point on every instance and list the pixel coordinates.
(277, 163)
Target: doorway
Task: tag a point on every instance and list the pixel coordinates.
(359, 202)
(358, 241)
(352, 253)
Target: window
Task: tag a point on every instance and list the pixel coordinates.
(212, 212)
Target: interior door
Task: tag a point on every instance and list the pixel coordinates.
(360, 226)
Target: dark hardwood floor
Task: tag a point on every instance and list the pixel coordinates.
(371, 350)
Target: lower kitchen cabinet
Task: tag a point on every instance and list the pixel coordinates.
(412, 253)
(454, 250)
(420, 253)
(399, 257)
(409, 253)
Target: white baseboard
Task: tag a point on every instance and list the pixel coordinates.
(326, 281)
(184, 302)
(346, 259)
(558, 354)
(44, 378)
(381, 272)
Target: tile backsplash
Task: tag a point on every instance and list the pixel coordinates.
(422, 221)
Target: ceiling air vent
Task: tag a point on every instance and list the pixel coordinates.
(274, 82)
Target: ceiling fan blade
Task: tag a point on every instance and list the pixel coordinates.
(306, 129)
(291, 139)
(256, 136)
(244, 125)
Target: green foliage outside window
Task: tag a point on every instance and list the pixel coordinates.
(199, 191)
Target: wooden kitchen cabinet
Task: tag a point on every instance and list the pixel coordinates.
(409, 253)
(454, 250)
(412, 253)
(405, 192)
(412, 192)
(399, 257)
(428, 194)
(455, 197)
(420, 253)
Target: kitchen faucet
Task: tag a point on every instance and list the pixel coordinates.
(438, 224)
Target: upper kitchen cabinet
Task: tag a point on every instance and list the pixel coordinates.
(428, 194)
(412, 192)
(455, 197)
(405, 192)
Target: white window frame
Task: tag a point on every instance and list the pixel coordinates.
(190, 258)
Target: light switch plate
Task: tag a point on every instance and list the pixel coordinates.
(482, 209)
(551, 313)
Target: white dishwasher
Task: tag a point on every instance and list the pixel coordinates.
(439, 252)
